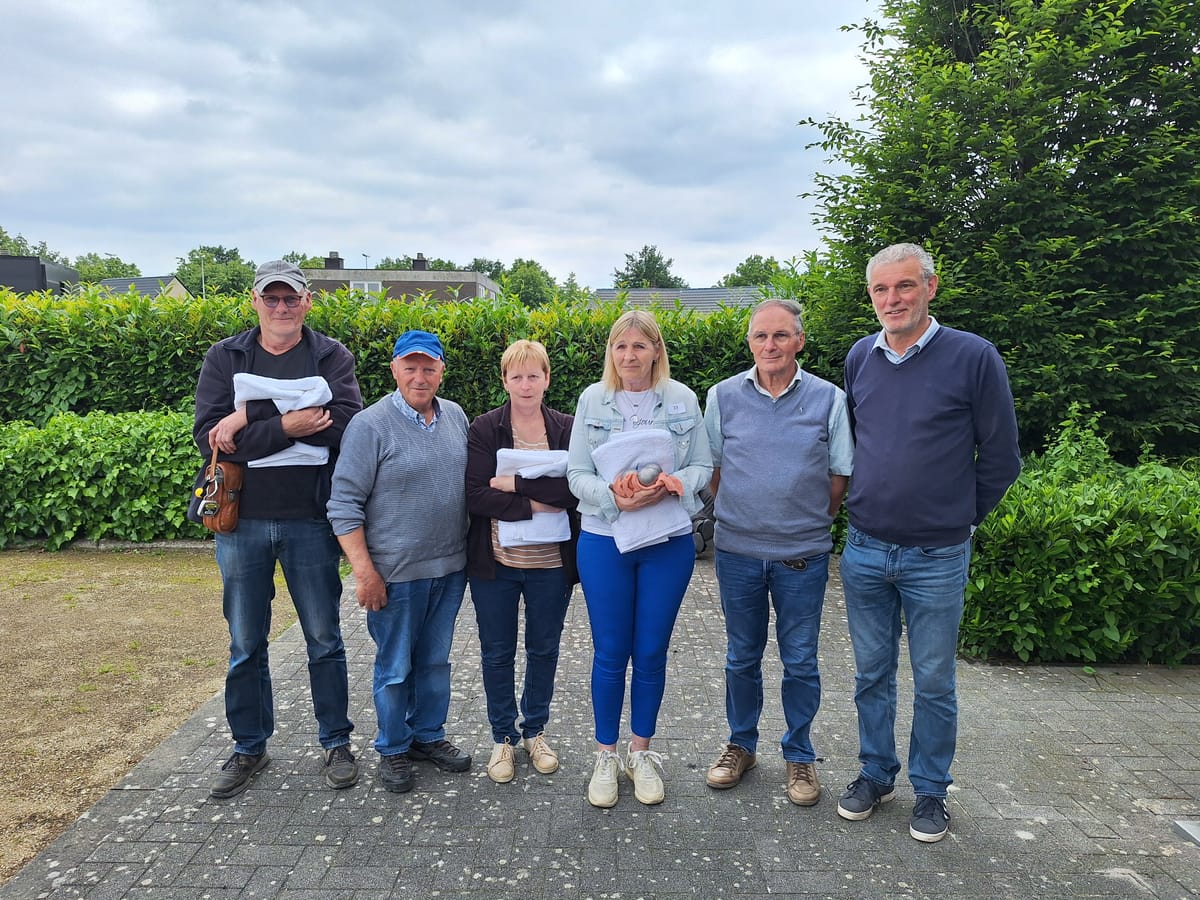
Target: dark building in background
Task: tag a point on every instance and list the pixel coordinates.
(26, 274)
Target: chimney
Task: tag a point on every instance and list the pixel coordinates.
(333, 261)
(420, 264)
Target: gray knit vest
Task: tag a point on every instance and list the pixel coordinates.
(773, 499)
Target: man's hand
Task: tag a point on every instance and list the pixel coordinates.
(302, 422)
(370, 589)
(221, 436)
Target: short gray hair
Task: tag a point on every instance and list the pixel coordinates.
(787, 303)
(900, 252)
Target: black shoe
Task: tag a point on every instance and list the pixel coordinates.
(396, 773)
(341, 769)
(235, 775)
(442, 754)
(930, 821)
(861, 798)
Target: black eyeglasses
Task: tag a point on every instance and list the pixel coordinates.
(290, 300)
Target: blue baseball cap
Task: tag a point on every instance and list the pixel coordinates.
(418, 342)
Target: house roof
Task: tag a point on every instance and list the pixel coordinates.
(146, 285)
(698, 299)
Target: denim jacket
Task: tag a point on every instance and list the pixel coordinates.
(596, 419)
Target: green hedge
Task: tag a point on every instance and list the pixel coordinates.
(1088, 561)
(126, 476)
(125, 353)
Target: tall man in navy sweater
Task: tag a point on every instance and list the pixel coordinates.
(935, 450)
(782, 455)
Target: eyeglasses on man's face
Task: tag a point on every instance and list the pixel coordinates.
(291, 301)
(758, 338)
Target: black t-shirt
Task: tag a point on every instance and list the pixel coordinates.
(284, 492)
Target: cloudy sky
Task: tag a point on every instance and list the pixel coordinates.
(567, 132)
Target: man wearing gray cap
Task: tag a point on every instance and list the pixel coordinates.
(399, 508)
(277, 398)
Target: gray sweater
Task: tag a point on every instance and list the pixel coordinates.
(407, 488)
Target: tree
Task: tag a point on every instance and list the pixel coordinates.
(647, 269)
(93, 267)
(1048, 153)
(492, 268)
(303, 261)
(753, 271)
(405, 264)
(529, 281)
(215, 270)
(17, 245)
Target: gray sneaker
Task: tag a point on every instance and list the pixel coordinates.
(235, 775)
(930, 821)
(861, 797)
(341, 768)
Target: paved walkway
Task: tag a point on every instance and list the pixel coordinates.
(1068, 785)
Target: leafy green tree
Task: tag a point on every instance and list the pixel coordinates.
(1048, 153)
(215, 270)
(303, 261)
(647, 268)
(571, 291)
(18, 245)
(528, 281)
(492, 268)
(405, 264)
(753, 271)
(93, 267)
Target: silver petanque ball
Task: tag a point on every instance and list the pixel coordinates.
(649, 473)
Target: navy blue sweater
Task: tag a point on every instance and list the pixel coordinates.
(935, 439)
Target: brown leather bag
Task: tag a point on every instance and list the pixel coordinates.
(219, 495)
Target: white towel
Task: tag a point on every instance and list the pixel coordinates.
(630, 450)
(543, 528)
(287, 394)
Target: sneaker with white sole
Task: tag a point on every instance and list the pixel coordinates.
(602, 789)
(930, 821)
(861, 797)
(541, 754)
(502, 767)
(642, 768)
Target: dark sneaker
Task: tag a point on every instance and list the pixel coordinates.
(730, 766)
(442, 754)
(235, 775)
(930, 821)
(861, 797)
(341, 769)
(395, 772)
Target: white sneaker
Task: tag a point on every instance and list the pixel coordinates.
(642, 768)
(541, 754)
(502, 766)
(602, 789)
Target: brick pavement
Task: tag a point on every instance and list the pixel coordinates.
(1068, 785)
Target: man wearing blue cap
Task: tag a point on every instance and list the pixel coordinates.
(399, 509)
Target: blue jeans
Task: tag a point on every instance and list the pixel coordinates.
(926, 584)
(632, 601)
(745, 583)
(412, 637)
(497, 606)
(308, 553)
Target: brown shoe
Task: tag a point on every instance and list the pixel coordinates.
(730, 766)
(803, 789)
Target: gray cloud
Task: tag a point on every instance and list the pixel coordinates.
(569, 133)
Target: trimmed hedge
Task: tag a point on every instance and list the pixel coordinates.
(96, 351)
(126, 477)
